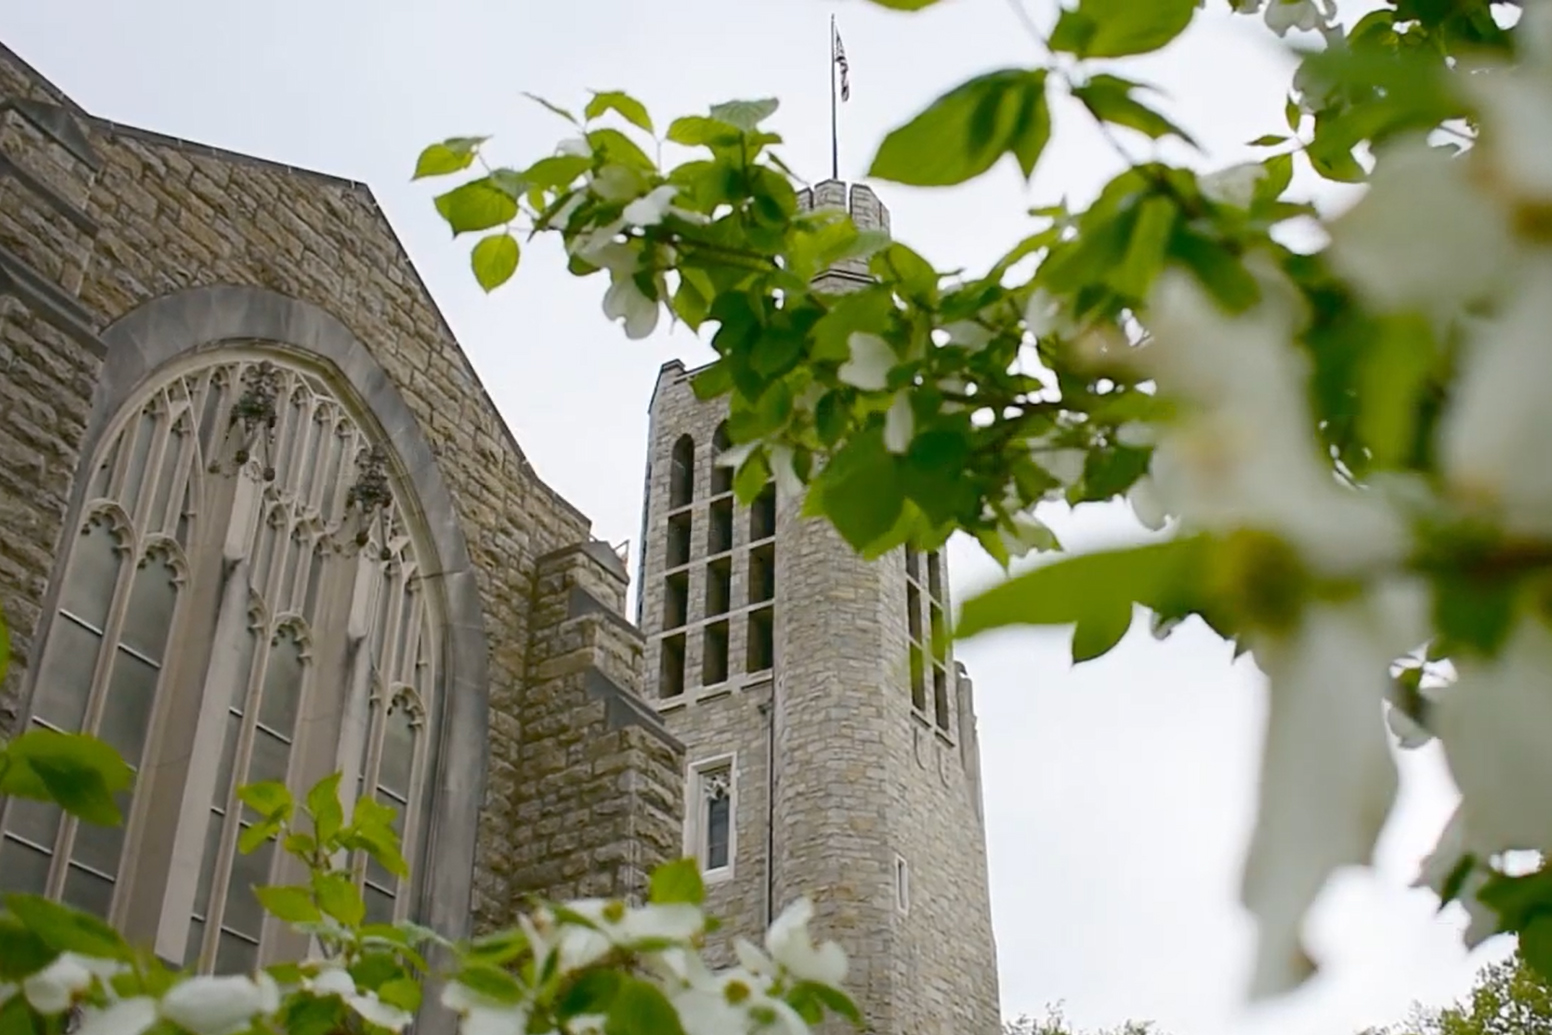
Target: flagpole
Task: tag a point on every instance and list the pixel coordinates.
(835, 136)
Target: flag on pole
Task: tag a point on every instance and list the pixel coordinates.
(840, 62)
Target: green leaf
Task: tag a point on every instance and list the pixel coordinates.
(1110, 98)
(1267, 140)
(592, 992)
(1476, 614)
(254, 836)
(1392, 378)
(557, 109)
(1536, 944)
(67, 930)
(701, 131)
(494, 260)
(905, 5)
(337, 896)
(22, 951)
(678, 881)
(632, 110)
(1097, 632)
(963, 133)
(833, 999)
(619, 149)
(404, 992)
(1517, 900)
(640, 1008)
(556, 171)
(290, 903)
(477, 205)
(1220, 271)
(78, 772)
(491, 981)
(745, 115)
(450, 156)
(1092, 588)
(323, 805)
(1116, 28)
(1146, 252)
(861, 490)
(270, 799)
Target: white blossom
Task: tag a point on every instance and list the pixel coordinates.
(126, 1017)
(616, 182)
(626, 302)
(1144, 499)
(1516, 139)
(1246, 456)
(1444, 862)
(1235, 185)
(1327, 777)
(1493, 438)
(788, 484)
(481, 1015)
(331, 979)
(1026, 533)
(872, 358)
(789, 944)
(1137, 434)
(54, 988)
(1065, 465)
(1043, 315)
(1423, 237)
(577, 146)
(375, 1011)
(1283, 15)
(650, 209)
(899, 424)
(219, 1005)
(1493, 723)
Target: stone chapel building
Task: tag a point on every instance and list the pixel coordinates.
(260, 520)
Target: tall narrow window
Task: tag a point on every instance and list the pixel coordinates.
(710, 826)
(719, 587)
(243, 433)
(681, 473)
(719, 535)
(671, 667)
(761, 653)
(935, 576)
(714, 654)
(721, 474)
(679, 539)
(762, 514)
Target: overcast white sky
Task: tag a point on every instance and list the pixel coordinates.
(1118, 794)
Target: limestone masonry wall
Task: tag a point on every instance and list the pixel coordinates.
(103, 218)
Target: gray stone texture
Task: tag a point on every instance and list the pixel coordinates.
(161, 246)
(860, 776)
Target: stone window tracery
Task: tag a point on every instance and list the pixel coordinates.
(244, 484)
(712, 809)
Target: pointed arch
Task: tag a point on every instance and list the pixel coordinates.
(169, 419)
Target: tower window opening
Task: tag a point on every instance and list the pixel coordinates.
(681, 473)
(721, 475)
(936, 630)
(940, 702)
(715, 817)
(714, 658)
(719, 586)
(719, 535)
(902, 884)
(913, 612)
(676, 600)
(671, 677)
(762, 514)
(679, 539)
(935, 575)
(918, 680)
(912, 568)
(761, 653)
(762, 574)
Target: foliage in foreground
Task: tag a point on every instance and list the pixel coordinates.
(589, 966)
(1344, 444)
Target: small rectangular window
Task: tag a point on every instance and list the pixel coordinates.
(913, 619)
(762, 574)
(676, 600)
(671, 673)
(719, 586)
(762, 514)
(719, 534)
(714, 658)
(912, 570)
(936, 630)
(940, 702)
(935, 575)
(761, 654)
(679, 539)
(902, 885)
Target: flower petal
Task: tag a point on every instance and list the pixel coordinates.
(872, 358)
(1327, 777)
(650, 209)
(1235, 185)
(52, 989)
(899, 424)
(789, 944)
(375, 1011)
(213, 1005)
(125, 1017)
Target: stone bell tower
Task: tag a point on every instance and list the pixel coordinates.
(827, 754)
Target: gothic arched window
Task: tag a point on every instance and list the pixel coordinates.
(241, 601)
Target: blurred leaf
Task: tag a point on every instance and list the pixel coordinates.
(78, 772)
(640, 1008)
(1110, 98)
(450, 156)
(337, 895)
(678, 881)
(270, 799)
(963, 133)
(1116, 28)
(745, 115)
(68, 930)
(494, 260)
(477, 205)
(290, 903)
(632, 110)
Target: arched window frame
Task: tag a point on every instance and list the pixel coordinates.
(175, 326)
